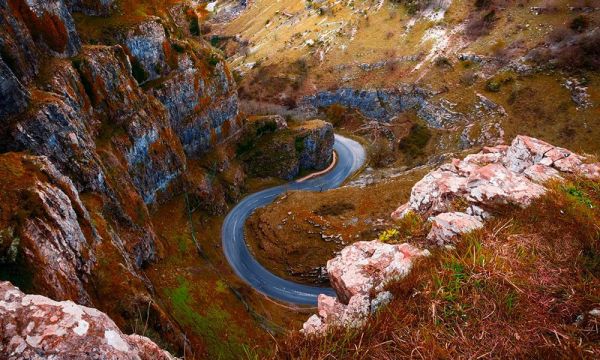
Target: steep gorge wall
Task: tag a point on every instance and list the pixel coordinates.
(92, 138)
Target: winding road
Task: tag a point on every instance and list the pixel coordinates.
(351, 156)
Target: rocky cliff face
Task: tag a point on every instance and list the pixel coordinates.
(92, 138)
(46, 227)
(385, 104)
(270, 148)
(36, 327)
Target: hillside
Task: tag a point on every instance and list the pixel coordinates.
(410, 178)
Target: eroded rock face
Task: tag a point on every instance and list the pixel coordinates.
(36, 327)
(281, 151)
(54, 241)
(201, 100)
(498, 175)
(146, 43)
(384, 104)
(360, 271)
(317, 145)
(93, 7)
(14, 98)
(49, 23)
(87, 127)
(153, 154)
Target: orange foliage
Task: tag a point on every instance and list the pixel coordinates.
(48, 28)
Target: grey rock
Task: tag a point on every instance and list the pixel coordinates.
(385, 104)
(92, 7)
(14, 97)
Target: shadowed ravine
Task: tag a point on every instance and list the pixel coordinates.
(351, 156)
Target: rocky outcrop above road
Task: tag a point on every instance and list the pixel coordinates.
(269, 147)
(358, 276)
(36, 327)
(385, 104)
(502, 174)
(190, 79)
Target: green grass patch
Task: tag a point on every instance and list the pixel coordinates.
(215, 326)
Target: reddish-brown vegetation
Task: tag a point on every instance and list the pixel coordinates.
(522, 287)
(48, 27)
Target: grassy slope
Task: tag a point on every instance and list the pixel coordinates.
(515, 289)
(545, 109)
(286, 236)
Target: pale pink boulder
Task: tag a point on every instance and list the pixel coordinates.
(501, 174)
(35, 327)
(358, 275)
(446, 227)
(369, 265)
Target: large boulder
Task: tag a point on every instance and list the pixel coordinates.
(502, 174)
(358, 275)
(35, 327)
(367, 266)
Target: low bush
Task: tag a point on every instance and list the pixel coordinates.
(413, 145)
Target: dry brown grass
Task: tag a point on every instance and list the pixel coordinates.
(286, 235)
(515, 289)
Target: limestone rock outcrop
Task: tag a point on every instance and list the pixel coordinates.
(58, 239)
(14, 98)
(269, 148)
(36, 327)
(385, 104)
(87, 153)
(358, 275)
(49, 23)
(502, 174)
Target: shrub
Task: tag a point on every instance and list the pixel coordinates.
(481, 24)
(413, 145)
(388, 235)
(336, 114)
(579, 24)
(442, 61)
(213, 60)
(468, 78)
(570, 50)
(414, 6)
(492, 86)
(380, 153)
(194, 27)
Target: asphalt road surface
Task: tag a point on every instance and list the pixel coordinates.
(351, 156)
